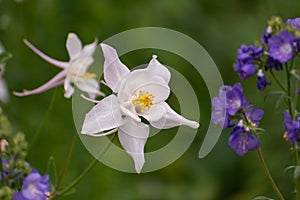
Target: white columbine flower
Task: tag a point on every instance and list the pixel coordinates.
(138, 93)
(74, 71)
(4, 94)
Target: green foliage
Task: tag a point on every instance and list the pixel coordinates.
(4, 57)
(51, 171)
(220, 27)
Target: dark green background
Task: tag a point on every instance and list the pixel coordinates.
(219, 26)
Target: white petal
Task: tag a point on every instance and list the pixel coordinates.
(127, 112)
(106, 115)
(73, 45)
(114, 69)
(142, 80)
(158, 69)
(91, 86)
(89, 49)
(4, 95)
(133, 137)
(172, 119)
(155, 113)
(69, 89)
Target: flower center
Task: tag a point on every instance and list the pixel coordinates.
(286, 48)
(86, 75)
(143, 99)
(32, 188)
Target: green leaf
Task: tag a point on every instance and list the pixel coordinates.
(71, 191)
(51, 170)
(273, 93)
(295, 73)
(4, 57)
(262, 198)
(297, 173)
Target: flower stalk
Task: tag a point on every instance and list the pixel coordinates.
(83, 174)
(270, 178)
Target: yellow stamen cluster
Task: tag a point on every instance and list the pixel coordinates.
(90, 75)
(86, 75)
(145, 100)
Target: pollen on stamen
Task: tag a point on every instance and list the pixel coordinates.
(90, 75)
(285, 136)
(145, 100)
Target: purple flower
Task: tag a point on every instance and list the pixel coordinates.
(219, 115)
(261, 81)
(249, 52)
(273, 64)
(255, 115)
(245, 60)
(294, 22)
(235, 99)
(35, 187)
(292, 127)
(230, 100)
(242, 141)
(281, 46)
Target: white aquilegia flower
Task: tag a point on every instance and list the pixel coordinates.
(4, 94)
(73, 72)
(136, 94)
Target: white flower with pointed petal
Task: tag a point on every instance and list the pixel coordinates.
(4, 94)
(139, 93)
(73, 72)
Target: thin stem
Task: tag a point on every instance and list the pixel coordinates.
(38, 131)
(263, 163)
(296, 96)
(85, 172)
(288, 80)
(67, 163)
(277, 81)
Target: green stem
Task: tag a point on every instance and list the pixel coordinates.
(84, 173)
(38, 131)
(275, 188)
(277, 81)
(67, 163)
(295, 156)
(288, 80)
(296, 96)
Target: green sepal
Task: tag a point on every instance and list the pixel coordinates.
(51, 171)
(4, 57)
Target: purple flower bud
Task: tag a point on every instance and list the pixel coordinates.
(261, 81)
(247, 70)
(266, 35)
(273, 64)
(294, 22)
(245, 60)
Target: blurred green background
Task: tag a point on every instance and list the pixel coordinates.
(219, 26)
